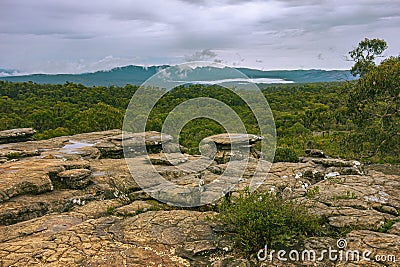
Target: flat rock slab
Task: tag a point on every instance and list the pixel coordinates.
(380, 244)
(169, 159)
(16, 135)
(228, 139)
(10, 154)
(135, 208)
(20, 177)
(23, 208)
(330, 162)
(173, 238)
(150, 138)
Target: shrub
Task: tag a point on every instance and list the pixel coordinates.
(285, 154)
(259, 219)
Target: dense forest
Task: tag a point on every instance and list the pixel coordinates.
(354, 119)
(314, 113)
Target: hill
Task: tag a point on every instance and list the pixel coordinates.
(136, 75)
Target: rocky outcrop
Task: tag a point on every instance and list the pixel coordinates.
(16, 135)
(224, 147)
(75, 203)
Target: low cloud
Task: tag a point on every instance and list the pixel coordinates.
(203, 55)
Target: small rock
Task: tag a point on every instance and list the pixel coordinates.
(331, 175)
(287, 193)
(395, 229)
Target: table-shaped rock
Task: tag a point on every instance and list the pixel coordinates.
(133, 144)
(226, 147)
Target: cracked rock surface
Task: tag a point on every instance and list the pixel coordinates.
(74, 203)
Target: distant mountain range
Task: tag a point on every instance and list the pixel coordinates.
(136, 75)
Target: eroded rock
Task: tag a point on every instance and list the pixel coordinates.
(225, 147)
(16, 135)
(75, 204)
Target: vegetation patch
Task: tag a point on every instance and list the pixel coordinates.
(285, 154)
(259, 219)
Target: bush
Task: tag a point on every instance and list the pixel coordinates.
(285, 154)
(259, 219)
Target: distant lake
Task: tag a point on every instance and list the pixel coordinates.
(240, 81)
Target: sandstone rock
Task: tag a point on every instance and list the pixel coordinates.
(225, 147)
(176, 238)
(171, 228)
(80, 164)
(171, 147)
(17, 178)
(16, 154)
(93, 209)
(228, 139)
(135, 207)
(380, 244)
(73, 179)
(136, 144)
(168, 159)
(114, 222)
(395, 229)
(24, 208)
(329, 162)
(366, 219)
(110, 150)
(16, 135)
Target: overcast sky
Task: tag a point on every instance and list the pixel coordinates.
(74, 36)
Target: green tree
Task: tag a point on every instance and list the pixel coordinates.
(374, 105)
(100, 117)
(364, 55)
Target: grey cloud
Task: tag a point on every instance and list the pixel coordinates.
(204, 55)
(270, 33)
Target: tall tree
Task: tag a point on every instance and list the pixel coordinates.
(374, 103)
(364, 55)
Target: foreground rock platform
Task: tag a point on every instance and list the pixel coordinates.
(71, 201)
